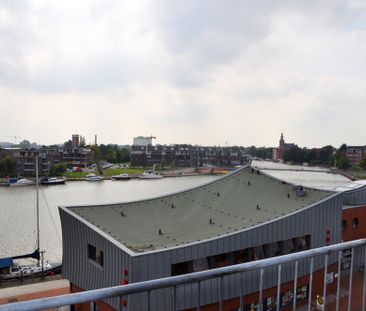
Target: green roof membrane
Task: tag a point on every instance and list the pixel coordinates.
(235, 202)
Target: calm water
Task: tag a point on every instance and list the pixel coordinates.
(18, 212)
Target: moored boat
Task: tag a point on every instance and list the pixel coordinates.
(93, 177)
(17, 271)
(18, 182)
(52, 181)
(121, 177)
(150, 174)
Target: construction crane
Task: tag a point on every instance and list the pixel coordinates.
(15, 138)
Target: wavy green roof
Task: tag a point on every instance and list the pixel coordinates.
(235, 202)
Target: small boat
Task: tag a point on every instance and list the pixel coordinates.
(121, 177)
(151, 174)
(18, 182)
(93, 177)
(17, 271)
(52, 181)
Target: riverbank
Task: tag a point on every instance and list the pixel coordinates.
(135, 172)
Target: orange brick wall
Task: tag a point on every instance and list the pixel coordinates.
(348, 215)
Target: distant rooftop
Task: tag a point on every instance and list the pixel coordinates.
(309, 176)
(232, 203)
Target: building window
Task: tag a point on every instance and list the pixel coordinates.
(355, 223)
(95, 254)
(287, 247)
(271, 250)
(200, 264)
(258, 252)
(182, 268)
(221, 260)
(302, 243)
(244, 255)
(344, 225)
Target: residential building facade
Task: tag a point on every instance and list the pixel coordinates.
(47, 158)
(355, 154)
(184, 155)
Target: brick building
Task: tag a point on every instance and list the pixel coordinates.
(47, 158)
(354, 154)
(184, 155)
(277, 153)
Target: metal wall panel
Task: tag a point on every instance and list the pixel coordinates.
(83, 272)
(355, 197)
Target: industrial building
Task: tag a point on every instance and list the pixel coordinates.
(244, 216)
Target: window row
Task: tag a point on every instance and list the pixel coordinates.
(245, 255)
(355, 223)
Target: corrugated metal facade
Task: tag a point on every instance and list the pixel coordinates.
(355, 197)
(314, 221)
(80, 270)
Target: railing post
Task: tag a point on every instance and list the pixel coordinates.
(221, 293)
(198, 296)
(325, 279)
(350, 281)
(339, 279)
(261, 289)
(241, 300)
(174, 298)
(148, 300)
(310, 282)
(295, 286)
(278, 287)
(364, 282)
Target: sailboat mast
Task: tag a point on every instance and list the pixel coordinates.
(37, 202)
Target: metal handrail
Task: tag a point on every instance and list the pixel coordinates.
(173, 281)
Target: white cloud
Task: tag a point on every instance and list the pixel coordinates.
(201, 72)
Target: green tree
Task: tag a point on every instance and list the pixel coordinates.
(343, 148)
(25, 144)
(125, 155)
(325, 155)
(343, 163)
(58, 169)
(8, 167)
(363, 163)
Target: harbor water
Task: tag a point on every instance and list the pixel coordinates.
(18, 208)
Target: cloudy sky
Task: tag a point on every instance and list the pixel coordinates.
(200, 72)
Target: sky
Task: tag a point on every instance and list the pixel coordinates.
(200, 72)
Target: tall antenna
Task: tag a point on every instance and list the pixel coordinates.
(37, 205)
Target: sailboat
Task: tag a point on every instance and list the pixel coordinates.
(11, 270)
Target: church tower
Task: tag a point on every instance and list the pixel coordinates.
(280, 147)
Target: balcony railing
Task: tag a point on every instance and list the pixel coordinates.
(174, 282)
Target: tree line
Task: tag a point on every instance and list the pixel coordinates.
(326, 156)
